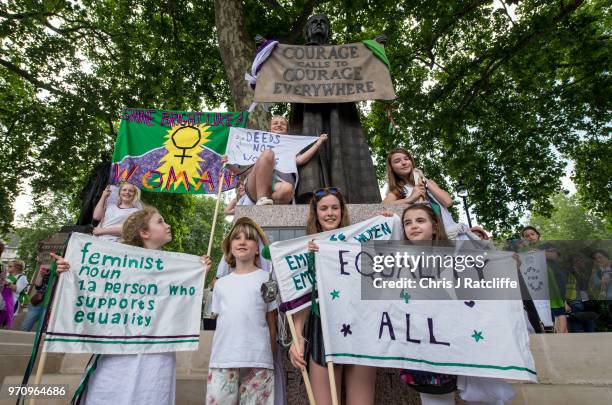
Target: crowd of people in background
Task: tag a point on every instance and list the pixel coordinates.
(14, 294)
(578, 283)
(242, 362)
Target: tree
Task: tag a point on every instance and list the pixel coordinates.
(493, 94)
(190, 218)
(571, 221)
(80, 64)
(41, 223)
(19, 126)
(593, 175)
(200, 223)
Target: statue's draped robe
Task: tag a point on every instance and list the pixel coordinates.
(343, 161)
(91, 193)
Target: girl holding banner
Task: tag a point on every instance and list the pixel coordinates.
(422, 224)
(327, 212)
(241, 368)
(112, 216)
(128, 379)
(263, 184)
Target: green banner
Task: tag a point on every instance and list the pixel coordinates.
(174, 151)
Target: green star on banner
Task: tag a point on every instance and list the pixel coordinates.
(477, 336)
(335, 294)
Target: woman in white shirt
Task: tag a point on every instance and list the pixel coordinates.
(112, 216)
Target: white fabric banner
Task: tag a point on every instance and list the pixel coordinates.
(535, 274)
(244, 147)
(290, 257)
(121, 299)
(475, 338)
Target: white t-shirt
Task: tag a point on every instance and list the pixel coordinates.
(115, 216)
(242, 337)
(22, 282)
(126, 379)
(245, 200)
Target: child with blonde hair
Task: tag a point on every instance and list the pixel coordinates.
(241, 368)
(112, 216)
(127, 379)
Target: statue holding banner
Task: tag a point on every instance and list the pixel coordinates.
(322, 82)
(345, 160)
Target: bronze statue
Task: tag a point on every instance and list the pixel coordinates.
(91, 193)
(344, 161)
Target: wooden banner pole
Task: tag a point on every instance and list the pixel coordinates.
(332, 382)
(311, 399)
(214, 223)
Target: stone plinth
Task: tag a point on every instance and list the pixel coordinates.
(282, 222)
(15, 349)
(294, 216)
(572, 369)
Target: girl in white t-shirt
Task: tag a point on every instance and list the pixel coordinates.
(241, 368)
(112, 216)
(128, 379)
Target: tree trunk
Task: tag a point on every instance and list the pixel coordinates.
(237, 52)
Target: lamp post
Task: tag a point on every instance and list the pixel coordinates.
(462, 192)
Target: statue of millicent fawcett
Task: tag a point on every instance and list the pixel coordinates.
(344, 161)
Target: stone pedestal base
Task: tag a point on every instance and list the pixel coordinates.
(572, 369)
(282, 222)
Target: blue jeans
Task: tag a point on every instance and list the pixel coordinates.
(31, 317)
(575, 325)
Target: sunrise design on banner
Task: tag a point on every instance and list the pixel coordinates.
(173, 151)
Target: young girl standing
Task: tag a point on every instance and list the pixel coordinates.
(327, 212)
(421, 224)
(241, 368)
(128, 379)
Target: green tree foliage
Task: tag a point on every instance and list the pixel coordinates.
(46, 219)
(199, 224)
(496, 99)
(80, 64)
(191, 220)
(570, 220)
(593, 175)
(494, 94)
